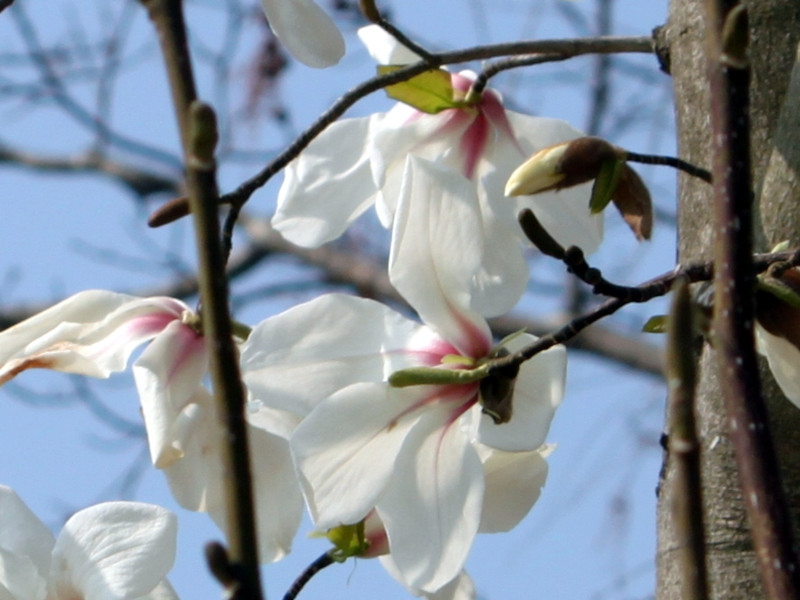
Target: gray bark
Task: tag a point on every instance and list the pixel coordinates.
(775, 31)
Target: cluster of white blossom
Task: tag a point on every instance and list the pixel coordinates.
(423, 468)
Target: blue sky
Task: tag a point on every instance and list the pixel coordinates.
(592, 533)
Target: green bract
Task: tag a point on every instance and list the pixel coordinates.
(436, 376)
(430, 92)
(605, 185)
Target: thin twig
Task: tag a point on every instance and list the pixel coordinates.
(658, 286)
(197, 125)
(669, 161)
(561, 49)
(684, 446)
(734, 310)
(321, 562)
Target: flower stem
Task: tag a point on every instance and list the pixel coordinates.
(322, 561)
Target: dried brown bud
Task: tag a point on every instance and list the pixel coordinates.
(633, 201)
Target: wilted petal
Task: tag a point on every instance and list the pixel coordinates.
(384, 47)
(167, 374)
(306, 31)
(115, 550)
(514, 481)
(432, 506)
(329, 185)
(295, 359)
(437, 248)
(92, 333)
(345, 450)
(538, 390)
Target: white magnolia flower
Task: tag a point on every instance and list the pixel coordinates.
(411, 454)
(307, 32)
(95, 332)
(356, 163)
(111, 551)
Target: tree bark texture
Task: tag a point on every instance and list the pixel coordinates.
(775, 118)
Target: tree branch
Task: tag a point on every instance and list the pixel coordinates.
(199, 138)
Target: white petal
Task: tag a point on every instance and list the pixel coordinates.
(403, 131)
(437, 247)
(432, 506)
(25, 549)
(296, 359)
(167, 374)
(114, 550)
(329, 185)
(514, 481)
(306, 31)
(783, 358)
(278, 502)
(19, 578)
(92, 333)
(23, 534)
(503, 275)
(384, 47)
(195, 471)
(163, 591)
(460, 588)
(538, 391)
(345, 450)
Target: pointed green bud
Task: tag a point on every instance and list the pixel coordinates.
(562, 166)
(436, 376)
(430, 92)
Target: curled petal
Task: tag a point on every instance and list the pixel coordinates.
(306, 31)
(167, 374)
(296, 359)
(92, 333)
(432, 506)
(329, 185)
(115, 550)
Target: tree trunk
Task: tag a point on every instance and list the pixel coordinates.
(775, 31)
